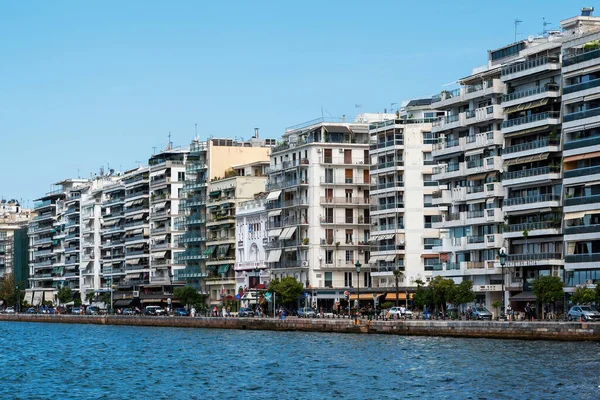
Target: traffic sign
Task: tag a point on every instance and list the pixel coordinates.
(347, 293)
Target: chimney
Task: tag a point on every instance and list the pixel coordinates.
(255, 133)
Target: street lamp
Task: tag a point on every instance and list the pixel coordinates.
(502, 256)
(18, 297)
(357, 265)
(256, 287)
(170, 284)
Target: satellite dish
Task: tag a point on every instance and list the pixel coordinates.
(530, 38)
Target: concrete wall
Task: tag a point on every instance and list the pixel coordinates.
(564, 331)
(221, 158)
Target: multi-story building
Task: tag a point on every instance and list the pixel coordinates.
(581, 150)
(210, 159)
(112, 235)
(14, 251)
(401, 198)
(319, 216)
(167, 176)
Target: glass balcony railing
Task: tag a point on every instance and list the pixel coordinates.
(525, 173)
(515, 201)
(594, 112)
(536, 144)
(530, 92)
(579, 258)
(584, 142)
(573, 173)
(575, 230)
(581, 86)
(581, 57)
(577, 201)
(534, 256)
(531, 118)
(532, 226)
(524, 66)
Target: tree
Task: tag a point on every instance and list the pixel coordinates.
(397, 274)
(548, 289)
(8, 291)
(584, 295)
(463, 293)
(188, 295)
(423, 297)
(287, 289)
(443, 291)
(65, 295)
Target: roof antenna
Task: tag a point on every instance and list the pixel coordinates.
(545, 24)
(517, 22)
(153, 149)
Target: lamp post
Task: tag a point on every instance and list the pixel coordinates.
(18, 298)
(170, 284)
(256, 287)
(357, 265)
(502, 256)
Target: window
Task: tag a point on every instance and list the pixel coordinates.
(427, 221)
(329, 175)
(329, 257)
(427, 200)
(181, 176)
(329, 215)
(348, 173)
(328, 279)
(348, 279)
(428, 159)
(349, 215)
(429, 138)
(349, 236)
(349, 257)
(367, 280)
(327, 156)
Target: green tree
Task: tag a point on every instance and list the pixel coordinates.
(463, 293)
(443, 291)
(397, 274)
(287, 290)
(65, 294)
(8, 291)
(584, 295)
(423, 297)
(90, 296)
(548, 289)
(188, 295)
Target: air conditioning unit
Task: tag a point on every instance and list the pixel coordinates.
(517, 274)
(361, 162)
(136, 293)
(341, 151)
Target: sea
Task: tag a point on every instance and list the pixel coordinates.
(73, 361)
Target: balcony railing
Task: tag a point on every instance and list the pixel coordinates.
(531, 118)
(536, 144)
(579, 258)
(531, 92)
(585, 142)
(581, 86)
(525, 173)
(575, 230)
(581, 57)
(523, 66)
(577, 201)
(594, 112)
(573, 173)
(532, 226)
(514, 201)
(534, 257)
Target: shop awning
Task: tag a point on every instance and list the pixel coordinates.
(524, 296)
(287, 233)
(582, 157)
(364, 296)
(223, 269)
(28, 297)
(273, 195)
(274, 213)
(122, 303)
(401, 296)
(49, 295)
(37, 298)
(275, 232)
(274, 255)
(208, 252)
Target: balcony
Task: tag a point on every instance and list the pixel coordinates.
(529, 67)
(533, 229)
(450, 146)
(483, 114)
(530, 148)
(448, 171)
(581, 118)
(531, 121)
(582, 258)
(386, 185)
(531, 176)
(448, 122)
(189, 186)
(480, 165)
(43, 204)
(381, 144)
(538, 93)
(345, 221)
(581, 56)
(579, 144)
(582, 175)
(579, 87)
(290, 203)
(346, 201)
(533, 259)
(390, 165)
(344, 181)
(287, 184)
(581, 230)
(582, 203)
(482, 139)
(526, 203)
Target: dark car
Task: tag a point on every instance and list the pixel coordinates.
(245, 312)
(181, 312)
(31, 310)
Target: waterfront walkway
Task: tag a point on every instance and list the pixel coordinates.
(543, 330)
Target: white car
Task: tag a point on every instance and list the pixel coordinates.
(9, 310)
(399, 312)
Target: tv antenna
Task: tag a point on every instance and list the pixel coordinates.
(545, 24)
(517, 22)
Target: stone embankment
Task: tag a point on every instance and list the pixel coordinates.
(567, 331)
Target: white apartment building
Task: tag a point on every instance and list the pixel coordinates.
(401, 197)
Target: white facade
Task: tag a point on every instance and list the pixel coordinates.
(251, 234)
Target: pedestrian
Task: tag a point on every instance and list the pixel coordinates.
(224, 311)
(228, 311)
(321, 312)
(215, 311)
(527, 312)
(193, 312)
(509, 312)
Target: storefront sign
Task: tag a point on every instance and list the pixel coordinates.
(487, 288)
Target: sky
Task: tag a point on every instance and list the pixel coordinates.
(91, 84)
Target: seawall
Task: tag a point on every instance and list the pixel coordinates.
(566, 331)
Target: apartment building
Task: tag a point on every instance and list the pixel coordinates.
(14, 250)
(251, 272)
(211, 160)
(581, 150)
(112, 236)
(401, 194)
(319, 208)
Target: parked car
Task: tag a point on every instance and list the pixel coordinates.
(585, 313)
(9, 310)
(128, 311)
(245, 312)
(399, 312)
(481, 313)
(76, 310)
(306, 312)
(181, 312)
(92, 310)
(154, 310)
(31, 310)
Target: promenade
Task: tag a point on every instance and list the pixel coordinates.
(543, 330)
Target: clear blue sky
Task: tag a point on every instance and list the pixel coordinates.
(85, 84)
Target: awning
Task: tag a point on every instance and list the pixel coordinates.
(136, 202)
(401, 296)
(122, 303)
(287, 233)
(592, 212)
(136, 231)
(222, 250)
(111, 223)
(160, 254)
(132, 276)
(162, 204)
(581, 157)
(137, 217)
(160, 238)
(527, 131)
(474, 152)
(387, 237)
(430, 256)
(364, 296)
(526, 159)
(391, 257)
(49, 296)
(274, 255)
(575, 215)
(214, 193)
(28, 297)
(273, 195)
(136, 246)
(223, 269)
(476, 177)
(373, 259)
(128, 204)
(133, 261)
(274, 213)
(275, 232)
(524, 296)
(209, 251)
